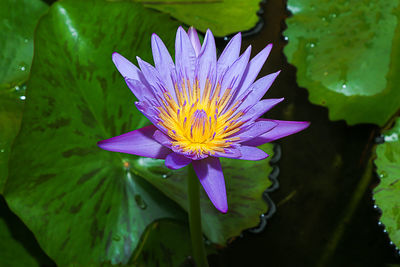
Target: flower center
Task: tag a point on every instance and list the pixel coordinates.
(197, 130)
(200, 123)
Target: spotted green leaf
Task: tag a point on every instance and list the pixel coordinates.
(223, 17)
(11, 105)
(85, 205)
(387, 193)
(18, 20)
(245, 183)
(165, 243)
(346, 54)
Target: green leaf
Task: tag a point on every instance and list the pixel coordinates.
(11, 105)
(18, 246)
(347, 56)
(387, 193)
(17, 23)
(166, 243)
(223, 17)
(85, 205)
(245, 183)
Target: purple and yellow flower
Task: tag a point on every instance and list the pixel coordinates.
(202, 108)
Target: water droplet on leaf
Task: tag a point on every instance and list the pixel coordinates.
(391, 138)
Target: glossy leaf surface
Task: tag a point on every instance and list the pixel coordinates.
(18, 20)
(387, 193)
(347, 56)
(83, 204)
(222, 17)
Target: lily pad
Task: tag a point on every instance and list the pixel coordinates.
(245, 183)
(165, 243)
(387, 193)
(11, 105)
(18, 20)
(347, 56)
(85, 205)
(18, 246)
(223, 17)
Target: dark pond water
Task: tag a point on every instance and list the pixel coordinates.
(325, 213)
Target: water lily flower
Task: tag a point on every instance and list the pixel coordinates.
(202, 108)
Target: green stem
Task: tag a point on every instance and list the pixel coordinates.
(196, 233)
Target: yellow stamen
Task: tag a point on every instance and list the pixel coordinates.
(199, 124)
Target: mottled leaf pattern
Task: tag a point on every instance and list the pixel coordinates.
(346, 54)
(84, 205)
(387, 193)
(245, 183)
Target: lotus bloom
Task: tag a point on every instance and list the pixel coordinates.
(202, 108)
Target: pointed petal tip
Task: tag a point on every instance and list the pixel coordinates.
(106, 144)
(101, 144)
(180, 30)
(223, 209)
(192, 29)
(237, 36)
(154, 38)
(306, 124)
(209, 172)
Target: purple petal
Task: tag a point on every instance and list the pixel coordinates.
(139, 142)
(139, 89)
(185, 56)
(257, 90)
(229, 55)
(162, 138)
(210, 174)
(258, 128)
(151, 74)
(125, 67)
(194, 39)
(251, 153)
(207, 61)
(163, 61)
(176, 161)
(260, 108)
(284, 128)
(232, 153)
(254, 68)
(234, 74)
